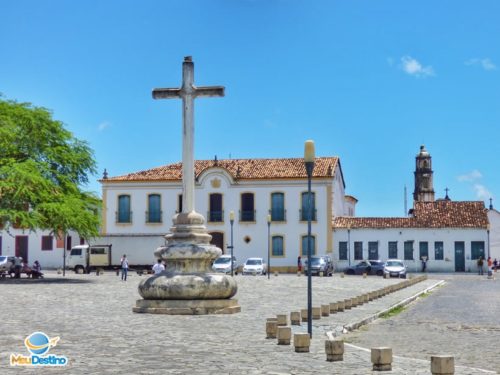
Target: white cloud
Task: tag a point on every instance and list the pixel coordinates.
(482, 192)
(485, 63)
(414, 68)
(472, 176)
(103, 125)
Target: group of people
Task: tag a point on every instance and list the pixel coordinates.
(20, 266)
(492, 265)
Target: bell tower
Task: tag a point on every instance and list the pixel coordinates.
(424, 187)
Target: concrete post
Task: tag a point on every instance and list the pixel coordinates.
(284, 335)
(381, 359)
(333, 307)
(334, 350)
(271, 329)
(316, 313)
(325, 310)
(442, 364)
(295, 318)
(304, 315)
(301, 342)
(282, 319)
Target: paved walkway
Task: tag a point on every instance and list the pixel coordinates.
(100, 334)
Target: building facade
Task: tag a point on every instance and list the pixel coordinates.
(38, 245)
(253, 189)
(450, 235)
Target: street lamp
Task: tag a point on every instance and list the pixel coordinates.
(309, 163)
(268, 246)
(231, 221)
(349, 242)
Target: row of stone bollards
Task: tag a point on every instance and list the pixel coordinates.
(277, 328)
(325, 310)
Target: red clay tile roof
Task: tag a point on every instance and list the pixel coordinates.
(439, 214)
(239, 168)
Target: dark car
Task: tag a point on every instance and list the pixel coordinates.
(320, 263)
(370, 267)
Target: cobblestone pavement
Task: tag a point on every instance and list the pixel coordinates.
(100, 334)
(461, 318)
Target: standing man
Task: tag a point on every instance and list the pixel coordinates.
(158, 267)
(480, 265)
(124, 267)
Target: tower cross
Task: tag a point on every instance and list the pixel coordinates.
(188, 92)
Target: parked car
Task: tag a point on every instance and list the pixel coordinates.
(320, 263)
(370, 267)
(395, 268)
(254, 265)
(6, 263)
(223, 264)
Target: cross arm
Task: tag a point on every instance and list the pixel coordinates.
(208, 91)
(166, 93)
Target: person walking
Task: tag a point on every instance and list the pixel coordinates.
(495, 264)
(490, 265)
(480, 266)
(299, 264)
(158, 267)
(124, 261)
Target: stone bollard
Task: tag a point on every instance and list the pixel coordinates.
(282, 319)
(333, 307)
(340, 306)
(347, 304)
(325, 310)
(301, 341)
(271, 329)
(304, 315)
(295, 318)
(442, 364)
(284, 335)
(321, 274)
(354, 302)
(276, 273)
(381, 359)
(341, 275)
(299, 273)
(364, 275)
(367, 297)
(334, 350)
(316, 313)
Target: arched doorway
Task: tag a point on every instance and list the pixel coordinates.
(218, 240)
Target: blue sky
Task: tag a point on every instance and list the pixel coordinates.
(368, 81)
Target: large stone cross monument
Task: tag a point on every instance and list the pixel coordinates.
(187, 286)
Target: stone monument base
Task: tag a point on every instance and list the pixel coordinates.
(187, 307)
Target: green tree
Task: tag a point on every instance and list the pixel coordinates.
(43, 168)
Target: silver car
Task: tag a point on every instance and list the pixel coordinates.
(223, 264)
(255, 266)
(395, 268)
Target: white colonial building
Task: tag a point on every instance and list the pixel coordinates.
(494, 232)
(145, 202)
(449, 235)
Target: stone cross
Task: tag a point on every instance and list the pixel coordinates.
(188, 92)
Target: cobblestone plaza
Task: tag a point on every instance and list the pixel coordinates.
(99, 333)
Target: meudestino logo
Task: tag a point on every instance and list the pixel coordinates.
(38, 344)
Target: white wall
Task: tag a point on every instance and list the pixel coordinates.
(494, 219)
(383, 236)
(47, 258)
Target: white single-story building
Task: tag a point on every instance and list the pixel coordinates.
(450, 235)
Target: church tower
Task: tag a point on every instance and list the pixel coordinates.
(424, 188)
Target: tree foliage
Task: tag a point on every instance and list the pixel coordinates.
(42, 170)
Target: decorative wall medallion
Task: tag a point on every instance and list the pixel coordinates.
(215, 183)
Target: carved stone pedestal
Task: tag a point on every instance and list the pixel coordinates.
(187, 286)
